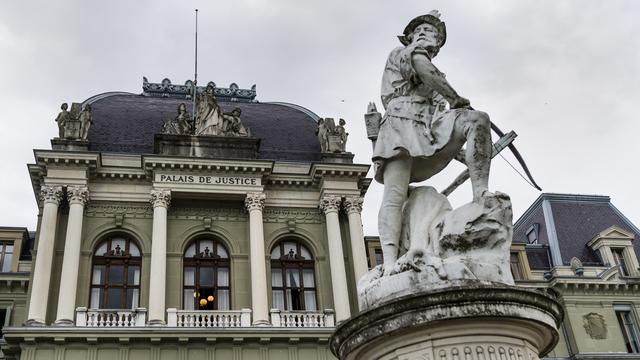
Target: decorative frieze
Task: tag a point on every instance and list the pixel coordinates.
(254, 201)
(330, 203)
(160, 198)
(51, 194)
(353, 204)
(132, 210)
(77, 194)
(288, 214)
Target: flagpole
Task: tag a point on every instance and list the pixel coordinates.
(195, 81)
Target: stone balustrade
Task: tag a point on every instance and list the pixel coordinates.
(303, 319)
(209, 319)
(110, 318)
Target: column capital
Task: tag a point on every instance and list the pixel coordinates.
(78, 194)
(330, 203)
(51, 194)
(161, 198)
(254, 201)
(353, 204)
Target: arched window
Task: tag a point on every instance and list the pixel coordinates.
(293, 285)
(115, 276)
(206, 276)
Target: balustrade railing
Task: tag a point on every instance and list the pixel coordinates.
(110, 318)
(303, 319)
(209, 318)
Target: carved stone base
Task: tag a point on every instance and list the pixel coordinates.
(337, 158)
(472, 322)
(221, 147)
(69, 144)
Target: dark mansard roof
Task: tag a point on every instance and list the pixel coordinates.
(127, 123)
(577, 220)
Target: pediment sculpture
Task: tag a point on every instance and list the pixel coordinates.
(211, 121)
(332, 138)
(180, 125)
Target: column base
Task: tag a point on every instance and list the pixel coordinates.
(64, 322)
(156, 323)
(34, 322)
(474, 322)
(261, 323)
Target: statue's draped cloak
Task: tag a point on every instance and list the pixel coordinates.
(410, 125)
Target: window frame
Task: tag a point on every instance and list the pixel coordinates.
(620, 260)
(116, 258)
(3, 254)
(200, 260)
(287, 261)
(630, 332)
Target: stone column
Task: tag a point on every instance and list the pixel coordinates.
(254, 203)
(160, 199)
(50, 196)
(330, 206)
(353, 206)
(78, 197)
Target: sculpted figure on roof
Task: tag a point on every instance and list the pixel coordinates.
(332, 137)
(74, 124)
(180, 125)
(232, 125)
(425, 126)
(210, 120)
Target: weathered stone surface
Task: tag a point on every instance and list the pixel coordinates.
(69, 144)
(221, 147)
(486, 318)
(441, 245)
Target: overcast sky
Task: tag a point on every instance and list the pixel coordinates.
(565, 75)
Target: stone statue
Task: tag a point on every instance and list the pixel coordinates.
(62, 118)
(232, 125)
(210, 120)
(332, 138)
(417, 137)
(180, 125)
(85, 122)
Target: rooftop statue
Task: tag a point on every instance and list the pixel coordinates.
(180, 125)
(209, 120)
(425, 126)
(232, 125)
(74, 124)
(333, 139)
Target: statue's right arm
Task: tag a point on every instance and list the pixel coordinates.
(432, 77)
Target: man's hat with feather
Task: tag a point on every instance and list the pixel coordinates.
(432, 18)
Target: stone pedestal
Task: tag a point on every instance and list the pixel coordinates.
(220, 147)
(69, 144)
(472, 322)
(337, 157)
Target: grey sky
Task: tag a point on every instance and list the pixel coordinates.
(565, 75)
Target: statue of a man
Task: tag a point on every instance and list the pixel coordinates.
(85, 122)
(233, 125)
(413, 144)
(62, 118)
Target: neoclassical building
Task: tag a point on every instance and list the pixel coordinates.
(232, 237)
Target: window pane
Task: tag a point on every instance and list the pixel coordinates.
(98, 275)
(133, 249)
(187, 299)
(116, 275)
(8, 248)
(223, 277)
(289, 301)
(118, 242)
(6, 262)
(276, 277)
(222, 252)
(288, 246)
(293, 278)
(305, 253)
(189, 276)
(206, 276)
(206, 245)
(308, 279)
(114, 298)
(100, 251)
(277, 299)
(132, 298)
(96, 298)
(133, 273)
(223, 299)
(191, 251)
(275, 253)
(310, 300)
